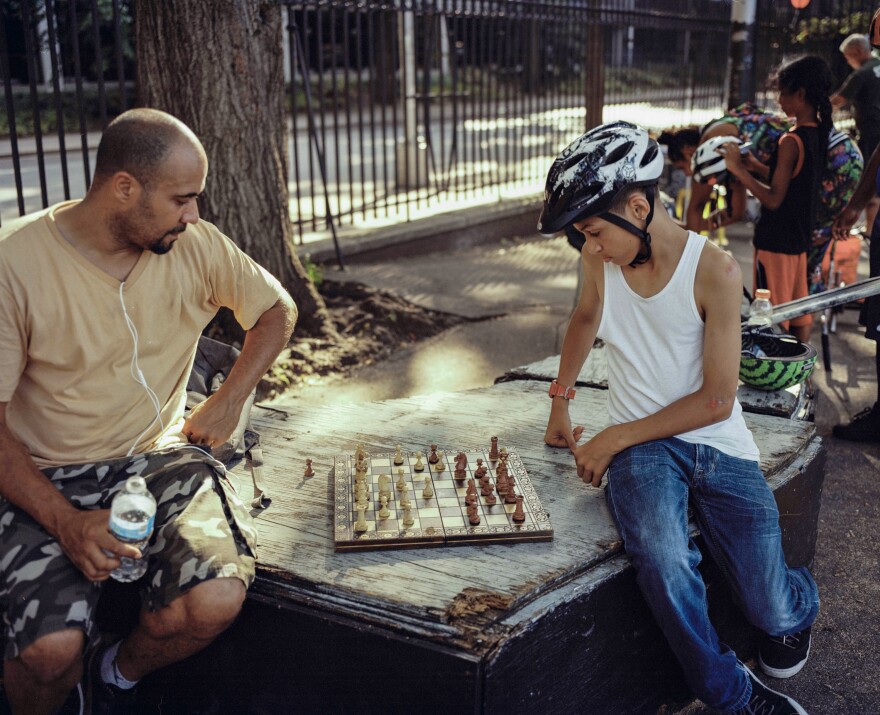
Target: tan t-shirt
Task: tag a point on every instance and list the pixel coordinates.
(67, 356)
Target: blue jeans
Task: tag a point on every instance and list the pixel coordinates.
(649, 488)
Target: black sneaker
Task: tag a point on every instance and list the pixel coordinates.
(764, 701)
(103, 698)
(784, 656)
(865, 426)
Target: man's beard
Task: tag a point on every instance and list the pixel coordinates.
(126, 231)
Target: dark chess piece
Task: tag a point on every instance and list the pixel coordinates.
(433, 458)
(519, 514)
(493, 450)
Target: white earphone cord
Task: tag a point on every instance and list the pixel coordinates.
(137, 375)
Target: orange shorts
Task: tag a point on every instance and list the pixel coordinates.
(786, 277)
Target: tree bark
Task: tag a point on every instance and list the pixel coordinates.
(218, 67)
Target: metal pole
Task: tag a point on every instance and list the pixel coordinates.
(741, 68)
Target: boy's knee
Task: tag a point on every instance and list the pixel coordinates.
(55, 658)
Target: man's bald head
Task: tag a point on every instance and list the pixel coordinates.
(138, 142)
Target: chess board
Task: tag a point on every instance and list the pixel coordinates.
(440, 519)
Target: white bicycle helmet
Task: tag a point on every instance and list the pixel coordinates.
(707, 165)
(587, 176)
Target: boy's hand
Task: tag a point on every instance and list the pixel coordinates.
(594, 457)
(559, 432)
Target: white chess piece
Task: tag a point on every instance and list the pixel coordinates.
(361, 524)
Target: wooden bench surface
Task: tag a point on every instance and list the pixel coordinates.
(794, 402)
(440, 591)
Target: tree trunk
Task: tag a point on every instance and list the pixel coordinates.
(218, 67)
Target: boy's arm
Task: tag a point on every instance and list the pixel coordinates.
(773, 195)
(718, 292)
(83, 535)
(576, 346)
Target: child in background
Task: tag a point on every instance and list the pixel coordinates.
(789, 199)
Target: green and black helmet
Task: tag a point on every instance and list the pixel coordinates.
(774, 362)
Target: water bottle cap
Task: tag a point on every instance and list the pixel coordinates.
(135, 485)
(762, 293)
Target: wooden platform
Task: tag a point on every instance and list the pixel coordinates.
(795, 403)
(539, 627)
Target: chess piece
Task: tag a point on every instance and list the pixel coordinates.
(473, 515)
(361, 524)
(404, 500)
(398, 456)
(460, 472)
(384, 512)
(441, 463)
(384, 485)
(309, 472)
(493, 450)
(433, 457)
(490, 498)
(427, 492)
(407, 517)
(461, 459)
(401, 482)
(510, 496)
(419, 466)
(481, 468)
(486, 487)
(360, 493)
(501, 484)
(502, 454)
(471, 494)
(519, 515)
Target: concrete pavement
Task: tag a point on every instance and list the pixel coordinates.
(518, 294)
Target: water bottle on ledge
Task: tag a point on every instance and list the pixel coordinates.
(761, 310)
(131, 520)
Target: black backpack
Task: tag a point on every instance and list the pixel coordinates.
(213, 362)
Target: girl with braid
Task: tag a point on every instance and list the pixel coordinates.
(788, 187)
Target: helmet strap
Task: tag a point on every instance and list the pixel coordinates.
(644, 254)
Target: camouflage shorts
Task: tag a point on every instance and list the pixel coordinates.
(202, 531)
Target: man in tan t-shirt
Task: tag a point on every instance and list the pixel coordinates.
(102, 303)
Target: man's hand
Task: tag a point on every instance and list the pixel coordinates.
(845, 220)
(212, 422)
(85, 537)
(559, 432)
(594, 457)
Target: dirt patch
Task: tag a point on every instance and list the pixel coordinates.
(373, 324)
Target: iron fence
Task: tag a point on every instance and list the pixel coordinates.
(398, 108)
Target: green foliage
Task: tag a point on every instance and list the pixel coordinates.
(24, 111)
(822, 29)
(313, 270)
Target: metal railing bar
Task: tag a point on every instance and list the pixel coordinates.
(99, 61)
(10, 113)
(56, 93)
(84, 138)
(30, 51)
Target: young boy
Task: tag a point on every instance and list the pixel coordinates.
(667, 303)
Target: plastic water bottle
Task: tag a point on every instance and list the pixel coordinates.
(761, 310)
(131, 520)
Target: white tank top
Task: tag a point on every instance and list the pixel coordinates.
(655, 353)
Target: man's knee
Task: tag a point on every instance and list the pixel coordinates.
(55, 658)
(204, 611)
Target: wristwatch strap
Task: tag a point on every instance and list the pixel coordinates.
(566, 392)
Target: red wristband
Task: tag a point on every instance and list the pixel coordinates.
(566, 393)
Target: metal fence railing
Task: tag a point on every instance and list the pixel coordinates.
(397, 108)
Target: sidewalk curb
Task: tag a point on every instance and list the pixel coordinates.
(450, 231)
